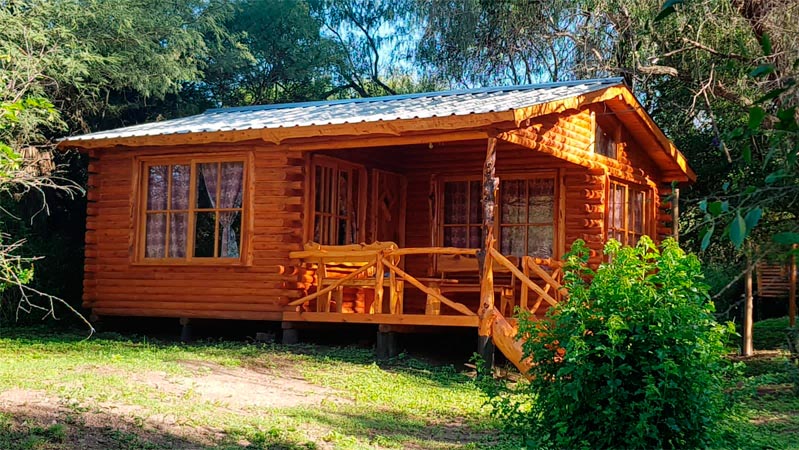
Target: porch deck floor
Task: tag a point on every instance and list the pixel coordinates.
(383, 319)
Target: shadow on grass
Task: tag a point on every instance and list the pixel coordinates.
(55, 430)
(396, 429)
(441, 373)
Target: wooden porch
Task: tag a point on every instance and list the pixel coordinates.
(451, 298)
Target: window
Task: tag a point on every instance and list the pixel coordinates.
(606, 134)
(193, 210)
(525, 217)
(628, 212)
(338, 189)
(527, 214)
(463, 215)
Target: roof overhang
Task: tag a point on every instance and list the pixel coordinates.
(618, 98)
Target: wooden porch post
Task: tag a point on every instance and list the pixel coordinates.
(487, 311)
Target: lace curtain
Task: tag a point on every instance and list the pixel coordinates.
(172, 208)
(229, 197)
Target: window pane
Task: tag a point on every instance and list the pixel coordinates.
(156, 187)
(155, 241)
(322, 229)
(618, 206)
(475, 202)
(475, 237)
(231, 190)
(328, 184)
(178, 227)
(455, 237)
(541, 201)
(181, 177)
(605, 143)
(455, 202)
(229, 234)
(317, 231)
(512, 241)
(318, 188)
(204, 234)
(207, 175)
(513, 201)
(539, 241)
(637, 211)
(343, 193)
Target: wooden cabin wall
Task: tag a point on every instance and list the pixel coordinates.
(115, 285)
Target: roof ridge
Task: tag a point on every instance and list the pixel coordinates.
(519, 87)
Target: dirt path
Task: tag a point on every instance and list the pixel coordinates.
(117, 424)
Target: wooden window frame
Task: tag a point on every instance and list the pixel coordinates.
(314, 161)
(647, 211)
(140, 189)
(442, 181)
(554, 175)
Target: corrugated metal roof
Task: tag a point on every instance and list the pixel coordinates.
(362, 110)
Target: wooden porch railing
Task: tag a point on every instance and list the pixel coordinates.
(371, 266)
(373, 261)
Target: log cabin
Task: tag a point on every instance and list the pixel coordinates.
(434, 209)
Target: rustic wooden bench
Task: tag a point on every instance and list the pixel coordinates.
(349, 266)
(464, 270)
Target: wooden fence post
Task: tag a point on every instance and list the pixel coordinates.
(747, 348)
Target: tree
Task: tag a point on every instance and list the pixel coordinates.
(69, 65)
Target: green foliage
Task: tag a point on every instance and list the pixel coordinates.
(768, 144)
(634, 358)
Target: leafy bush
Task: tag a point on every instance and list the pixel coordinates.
(634, 358)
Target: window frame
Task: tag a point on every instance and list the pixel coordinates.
(141, 184)
(504, 177)
(442, 206)
(648, 221)
(526, 225)
(314, 161)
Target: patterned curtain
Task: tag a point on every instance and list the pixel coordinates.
(179, 221)
(209, 173)
(230, 197)
(156, 222)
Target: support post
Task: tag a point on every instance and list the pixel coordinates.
(386, 345)
(747, 348)
(792, 292)
(290, 335)
(487, 310)
(675, 213)
(485, 348)
(185, 330)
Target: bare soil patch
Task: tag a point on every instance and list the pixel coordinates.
(112, 424)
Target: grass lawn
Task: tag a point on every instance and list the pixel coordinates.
(111, 391)
(58, 391)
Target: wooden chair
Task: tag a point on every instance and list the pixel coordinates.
(334, 262)
(465, 269)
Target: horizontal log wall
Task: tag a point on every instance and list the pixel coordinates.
(115, 285)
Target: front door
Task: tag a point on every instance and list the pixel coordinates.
(388, 207)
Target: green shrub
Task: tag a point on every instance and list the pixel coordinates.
(634, 358)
